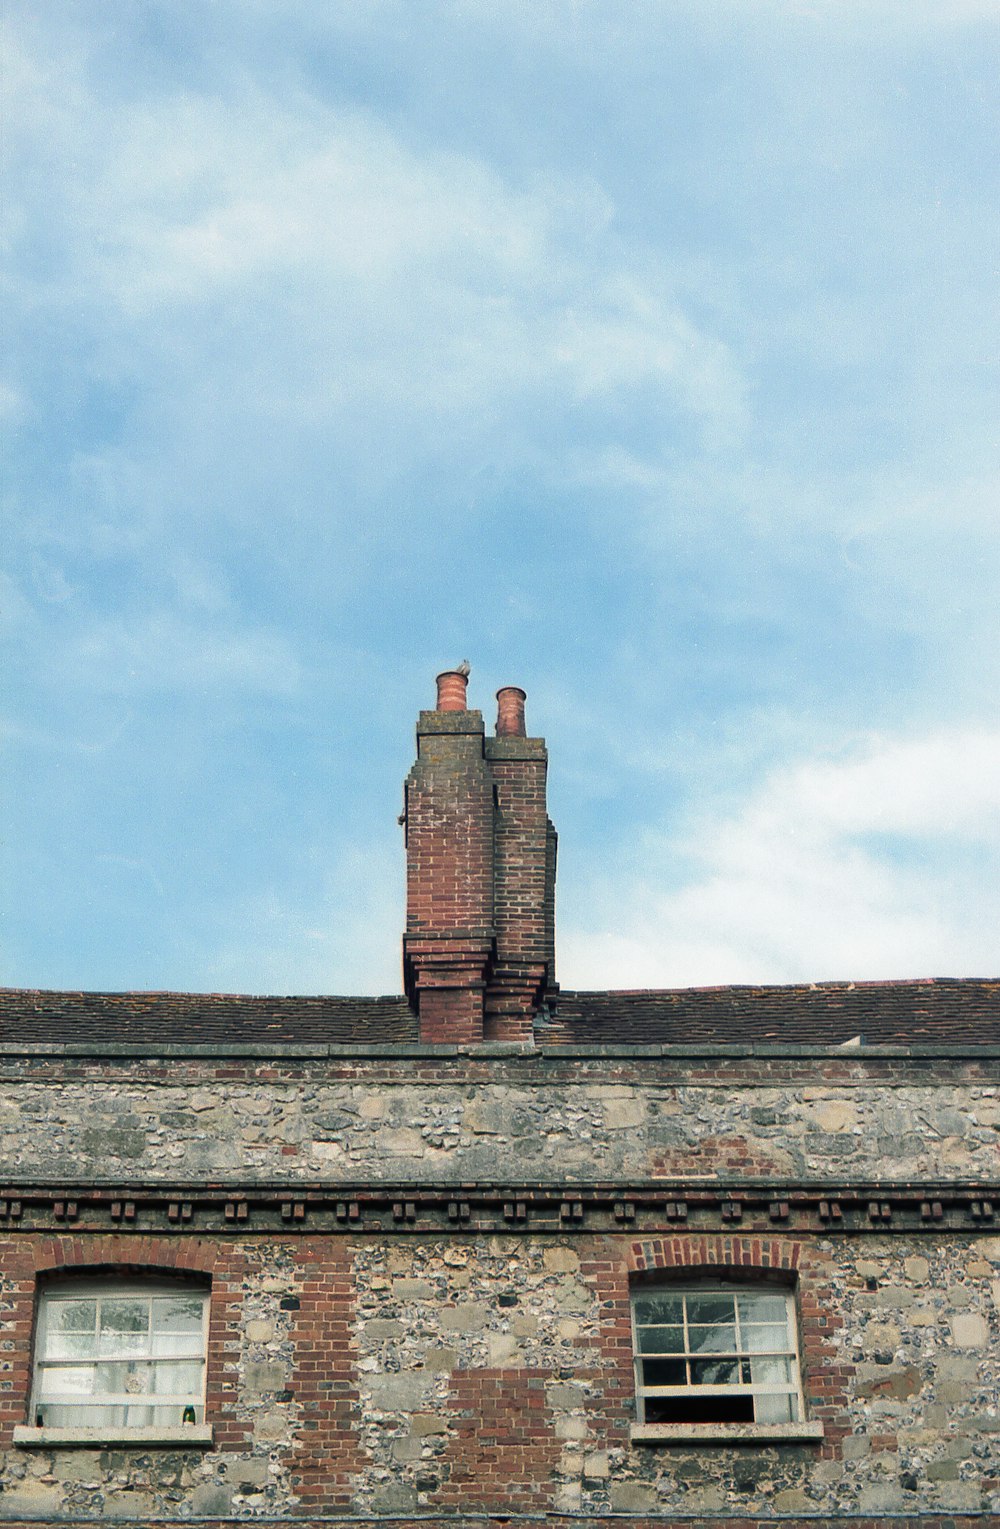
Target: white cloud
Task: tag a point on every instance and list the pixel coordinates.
(882, 864)
(351, 265)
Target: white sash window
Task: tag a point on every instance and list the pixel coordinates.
(120, 1356)
(716, 1354)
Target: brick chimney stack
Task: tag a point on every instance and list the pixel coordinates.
(479, 947)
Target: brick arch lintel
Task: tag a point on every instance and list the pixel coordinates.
(697, 1251)
(150, 1254)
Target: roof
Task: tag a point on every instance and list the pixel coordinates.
(144, 1019)
(961, 1012)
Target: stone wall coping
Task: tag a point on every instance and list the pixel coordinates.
(725, 1433)
(705, 1187)
(488, 1050)
(191, 1435)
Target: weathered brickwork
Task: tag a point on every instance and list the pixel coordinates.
(479, 947)
(394, 1376)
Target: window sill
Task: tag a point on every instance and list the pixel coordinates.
(725, 1433)
(178, 1436)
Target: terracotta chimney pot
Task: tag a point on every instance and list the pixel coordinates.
(510, 712)
(451, 687)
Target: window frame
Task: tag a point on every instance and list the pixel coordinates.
(714, 1283)
(112, 1287)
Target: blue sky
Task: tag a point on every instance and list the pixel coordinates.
(641, 353)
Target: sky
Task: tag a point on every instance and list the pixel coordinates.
(641, 352)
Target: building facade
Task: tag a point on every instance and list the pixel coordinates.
(494, 1253)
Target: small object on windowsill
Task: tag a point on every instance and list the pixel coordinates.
(188, 1415)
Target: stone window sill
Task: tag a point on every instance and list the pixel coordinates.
(190, 1435)
(725, 1433)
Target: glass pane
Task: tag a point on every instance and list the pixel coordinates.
(124, 1379)
(714, 1372)
(70, 1329)
(125, 1315)
(89, 1416)
(754, 1307)
(710, 1308)
(659, 1306)
(71, 1345)
(713, 1340)
(74, 1380)
(123, 1345)
(124, 1327)
(664, 1372)
(173, 1413)
(771, 1372)
(177, 1325)
(661, 1340)
(72, 1316)
(180, 1379)
(775, 1409)
(138, 1416)
(765, 1338)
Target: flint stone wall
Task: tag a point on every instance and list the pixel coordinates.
(423, 1375)
(509, 1119)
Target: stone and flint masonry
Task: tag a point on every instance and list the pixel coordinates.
(494, 1253)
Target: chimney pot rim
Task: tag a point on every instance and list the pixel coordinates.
(512, 690)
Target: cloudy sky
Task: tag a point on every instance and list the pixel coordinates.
(641, 352)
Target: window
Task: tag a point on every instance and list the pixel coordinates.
(718, 1356)
(119, 1358)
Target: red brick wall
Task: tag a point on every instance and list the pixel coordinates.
(524, 960)
(449, 876)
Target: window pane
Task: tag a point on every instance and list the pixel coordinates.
(714, 1372)
(714, 1340)
(180, 1379)
(140, 1416)
(775, 1409)
(762, 1308)
(127, 1378)
(89, 1416)
(659, 1306)
(661, 1340)
(125, 1316)
(74, 1380)
(71, 1329)
(765, 1338)
(178, 1325)
(124, 1327)
(178, 1314)
(771, 1372)
(664, 1372)
(710, 1308)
